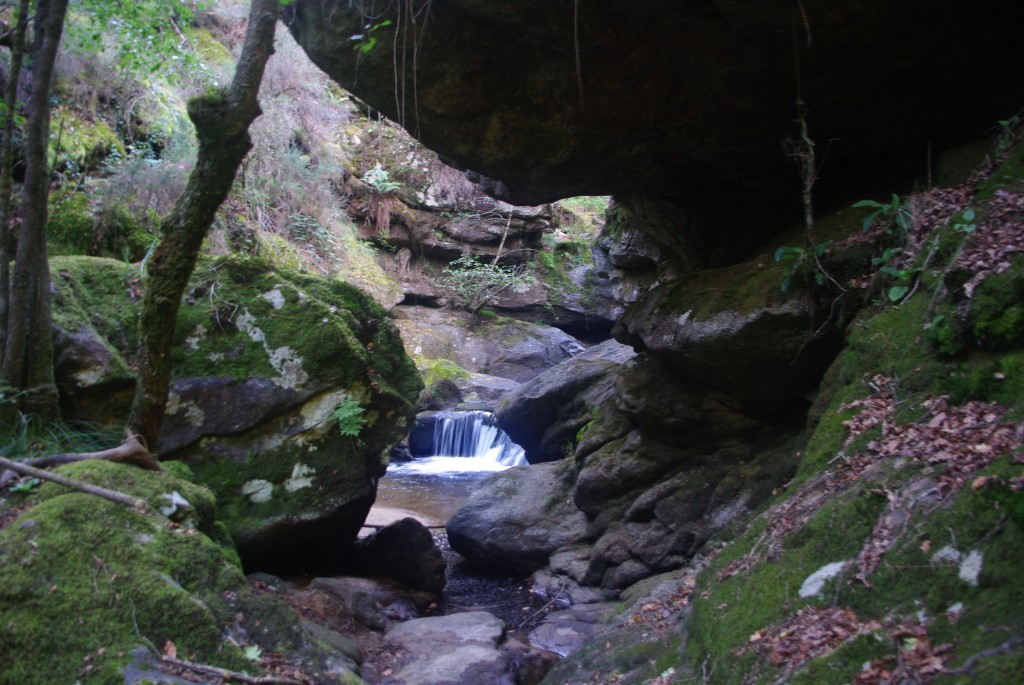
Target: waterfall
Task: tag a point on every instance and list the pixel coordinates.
(475, 434)
(465, 441)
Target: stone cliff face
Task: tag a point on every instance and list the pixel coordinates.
(688, 102)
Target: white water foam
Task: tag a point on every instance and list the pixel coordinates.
(466, 442)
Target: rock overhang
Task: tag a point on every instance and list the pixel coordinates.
(689, 101)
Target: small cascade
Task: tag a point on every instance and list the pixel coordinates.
(475, 434)
(465, 441)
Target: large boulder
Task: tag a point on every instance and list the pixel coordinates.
(267, 365)
(546, 415)
(735, 333)
(89, 586)
(517, 518)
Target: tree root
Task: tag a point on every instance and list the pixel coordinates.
(132, 451)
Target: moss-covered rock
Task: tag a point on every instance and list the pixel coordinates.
(87, 586)
(263, 358)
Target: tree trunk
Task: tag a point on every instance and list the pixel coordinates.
(17, 45)
(222, 126)
(28, 352)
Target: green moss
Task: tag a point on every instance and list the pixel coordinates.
(102, 293)
(210, 51)
(70, 227)
(83, 579)
(78, 142)
(997, 312)
(437, 370)
(73, 228)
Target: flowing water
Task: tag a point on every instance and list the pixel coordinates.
(468, 447)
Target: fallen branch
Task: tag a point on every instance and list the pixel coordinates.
(112, 495)
(226, 675)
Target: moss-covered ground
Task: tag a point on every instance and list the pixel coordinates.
(88, 585)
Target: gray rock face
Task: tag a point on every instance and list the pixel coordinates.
(563, 632)
(733, 332)
(517, 518)
(451, 650)
(515, 350)
(658, 466)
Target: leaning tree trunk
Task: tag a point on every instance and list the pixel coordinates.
(28, 353)
(222, 126)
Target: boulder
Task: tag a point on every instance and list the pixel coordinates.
(546, 414)
(516, 518)
(376, 603)
(735, 333)
(403, 551)
(266, 363)
(450, 650)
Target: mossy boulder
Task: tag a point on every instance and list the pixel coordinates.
(88, 586)
(734, 331)
(263, 360)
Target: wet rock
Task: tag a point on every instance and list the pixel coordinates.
(375, 602)
(529, 663)
(563, 632)
(517, 518)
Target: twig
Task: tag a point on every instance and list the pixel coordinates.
(112, 495)
(228, 676)
(968, 666)
(551, 602)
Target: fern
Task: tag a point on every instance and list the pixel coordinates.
(349, 416)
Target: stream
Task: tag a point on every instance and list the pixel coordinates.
(468, 447)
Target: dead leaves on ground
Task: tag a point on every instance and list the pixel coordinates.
(816, 631)
(811, 632)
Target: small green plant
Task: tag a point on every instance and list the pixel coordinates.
(904, 277)
(476, 284)
(1009, 132)
(349, 415)
(365, 42)
(967, 226)
(894, 213)
(26, 486)
(253, 652)
(793, 258)
(380, 180)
